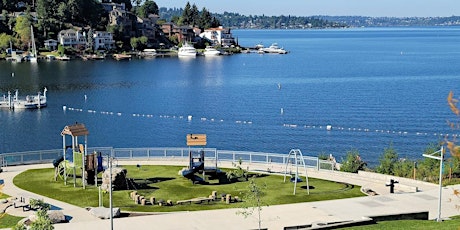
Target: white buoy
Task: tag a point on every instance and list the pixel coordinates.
(282, 111)
(329, 127)
(86, 98)
(12, 74)
(64, 108)
(189, 117)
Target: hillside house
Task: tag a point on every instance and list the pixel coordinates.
(51, 44)
(72, 38)
(219, 35)
(103, 40)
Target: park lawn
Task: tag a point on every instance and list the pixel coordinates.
(454, 223)
(163, 182)
(8, 221)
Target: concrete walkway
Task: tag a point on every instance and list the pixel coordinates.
(273, 217)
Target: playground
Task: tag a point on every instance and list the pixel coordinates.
(164, 183)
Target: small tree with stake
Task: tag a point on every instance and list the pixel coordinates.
(253, 200)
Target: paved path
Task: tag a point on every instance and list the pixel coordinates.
(273, 217)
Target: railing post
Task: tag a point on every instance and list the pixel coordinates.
(148, 153)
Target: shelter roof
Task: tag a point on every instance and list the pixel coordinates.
(75, 130)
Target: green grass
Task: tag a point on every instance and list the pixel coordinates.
(163, 182)
(7, 221)
(412, 225)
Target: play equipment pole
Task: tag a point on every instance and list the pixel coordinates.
(64, 150)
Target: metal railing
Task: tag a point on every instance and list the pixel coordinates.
(48, 156)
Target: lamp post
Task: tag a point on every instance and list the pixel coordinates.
(110, 192)
(441, 159)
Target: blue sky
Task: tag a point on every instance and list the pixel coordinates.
(391, 8)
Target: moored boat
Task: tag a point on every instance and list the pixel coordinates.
(29, 102)
(273, 48)
(63, 58)
(120, 57)
(211, 51)
(147, 53)
(186, 50)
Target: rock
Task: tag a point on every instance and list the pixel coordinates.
(119, 180)
(104, 213)
(56, 216)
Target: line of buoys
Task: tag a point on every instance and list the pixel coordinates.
(188, 117)
(403, 133)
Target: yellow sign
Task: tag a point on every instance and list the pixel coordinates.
(196, 139)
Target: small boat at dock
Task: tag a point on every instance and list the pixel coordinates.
(211, 51)
(29, 102)
(273, 48)
(120, 57)
(187, 50)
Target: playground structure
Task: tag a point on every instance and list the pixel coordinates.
(197, 160)
(67, 166)
(295, 157)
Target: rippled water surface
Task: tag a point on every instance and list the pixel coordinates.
(375, 87)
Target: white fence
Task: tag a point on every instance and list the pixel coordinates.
(212, 154)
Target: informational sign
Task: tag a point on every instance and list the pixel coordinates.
(196, 139)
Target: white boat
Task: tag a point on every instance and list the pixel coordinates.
(211, 51)
(29, 102)
(273, 48)
(33, 57)
(120, 57)
(187, 50)
(63, 58)
(149, 53)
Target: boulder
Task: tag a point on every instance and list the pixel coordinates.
(104, 213)
(119, 180)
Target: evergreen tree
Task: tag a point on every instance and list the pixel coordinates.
(205, 19)
(388, 161)
(353, 162)
(186, 15)
(194, 15)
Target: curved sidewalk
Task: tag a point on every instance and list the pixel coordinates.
(273, 217)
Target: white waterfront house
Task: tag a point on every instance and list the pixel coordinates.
(103, 40)
(219, 35)
(71, 38)
(51, 44)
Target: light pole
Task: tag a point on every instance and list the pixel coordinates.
(441, 159)
(110, 193)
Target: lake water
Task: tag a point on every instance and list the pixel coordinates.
(374, 87)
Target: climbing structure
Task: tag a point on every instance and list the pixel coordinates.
(78, 152)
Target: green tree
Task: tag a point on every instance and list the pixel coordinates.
(205, 19)
(5, 40)
(149, 7)
(61, 50)
(22, 29)
(428, 168)
(186, 18)
(353, 162)
(388, 161)
(253, 200)
(194, 15)
(138, 43)
(404, 168)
